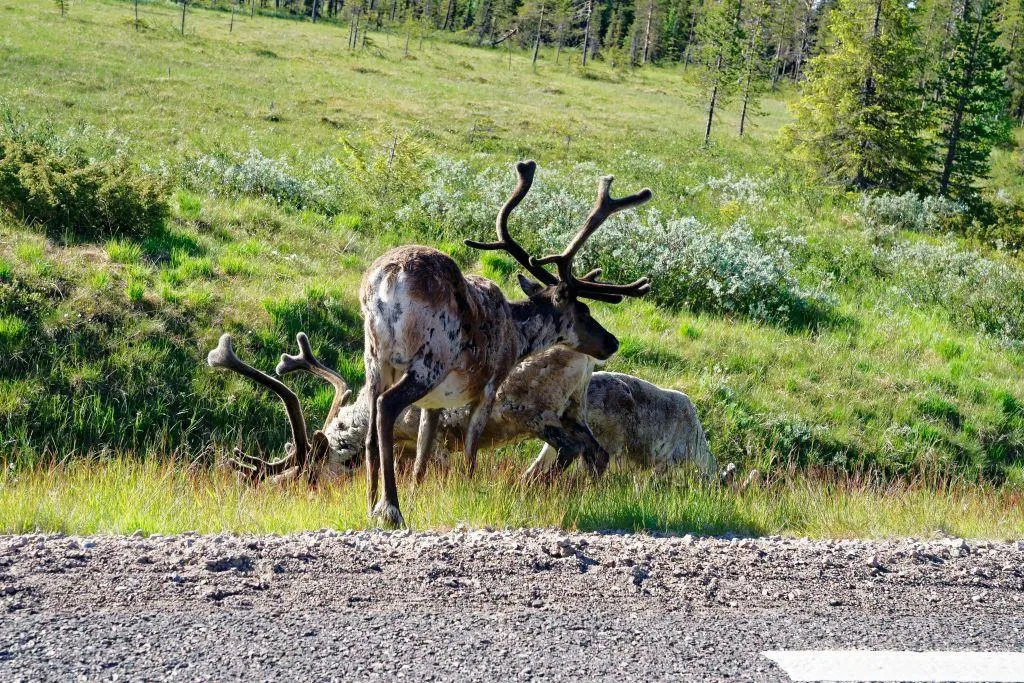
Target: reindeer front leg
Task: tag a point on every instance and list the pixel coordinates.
(478, 417)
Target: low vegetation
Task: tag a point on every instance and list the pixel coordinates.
(123, 496)
(816, 329)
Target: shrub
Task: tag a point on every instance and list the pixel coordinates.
(1002, 221)
(887, 213)
(258, 175)
(983, 294)
(691, 264)
(72, 195)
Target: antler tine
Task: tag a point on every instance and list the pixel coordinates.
(525, 171)
(257, 469)
(588, 285)
(223, 356)
(305, 360)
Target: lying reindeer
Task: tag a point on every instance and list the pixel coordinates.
(545, 397)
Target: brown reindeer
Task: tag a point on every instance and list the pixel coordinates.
(438, 339)
(543, 397)
(553, 396)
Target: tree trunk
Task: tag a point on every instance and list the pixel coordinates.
(558, 48)
(449, 15)
(586, 30)
(690, 34)
(485, 22)
(711, 114)
(136, 15)
(805, 37)
(184, 4)
(860, 180)
(961, 105)
(313, 11)
(777, 65)
(536, 40)
(231, 26)
(647, 32)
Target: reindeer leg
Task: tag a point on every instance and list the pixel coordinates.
(418, 381)
(425, 441)
(594, 454)
(373, 384)
(565, 445)
(477, 422)
(544, 462)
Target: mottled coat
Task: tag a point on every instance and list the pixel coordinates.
(634, 420)
(641, 423)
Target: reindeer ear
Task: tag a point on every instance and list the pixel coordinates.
(529, 287)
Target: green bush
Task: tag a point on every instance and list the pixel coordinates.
(72, 195)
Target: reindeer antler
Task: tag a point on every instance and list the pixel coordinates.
(588, 286)
(305, 360)
(223, 356)
(525, 171)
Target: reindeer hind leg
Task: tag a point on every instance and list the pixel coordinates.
(477, 423)
(373, 384)
(425, 441)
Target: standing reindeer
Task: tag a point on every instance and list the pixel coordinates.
(438, 339)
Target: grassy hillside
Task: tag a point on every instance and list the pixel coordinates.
(810, 328)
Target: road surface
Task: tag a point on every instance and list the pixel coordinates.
(482, 605)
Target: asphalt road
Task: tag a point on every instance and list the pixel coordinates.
(481, 605)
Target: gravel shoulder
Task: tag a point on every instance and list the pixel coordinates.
(495, 604)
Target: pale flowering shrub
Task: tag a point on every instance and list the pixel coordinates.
(691, 264)
(730, 188)
(886, 213)
(697, 267)
(979, 293)
(258, 175)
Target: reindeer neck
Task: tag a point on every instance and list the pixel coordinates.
(537, 327)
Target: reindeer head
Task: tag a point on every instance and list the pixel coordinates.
(559, 296)
(303, 456)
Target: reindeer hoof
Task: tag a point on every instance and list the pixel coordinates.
(389, 515)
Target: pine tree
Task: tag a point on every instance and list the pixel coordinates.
(754, 63)
(972, 100)
(721, 37)
(861, 118)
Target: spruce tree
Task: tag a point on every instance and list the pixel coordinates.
(972, 98)
(1014, 29)
(861, 117)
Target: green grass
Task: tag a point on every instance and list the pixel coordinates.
(124, 495)
(107, 340)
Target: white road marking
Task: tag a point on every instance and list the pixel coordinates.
(891, 665)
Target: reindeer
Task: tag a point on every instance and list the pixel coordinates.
(547, 396)
(438, 339)
(636, 421)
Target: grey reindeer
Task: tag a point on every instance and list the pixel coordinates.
(438, 339)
